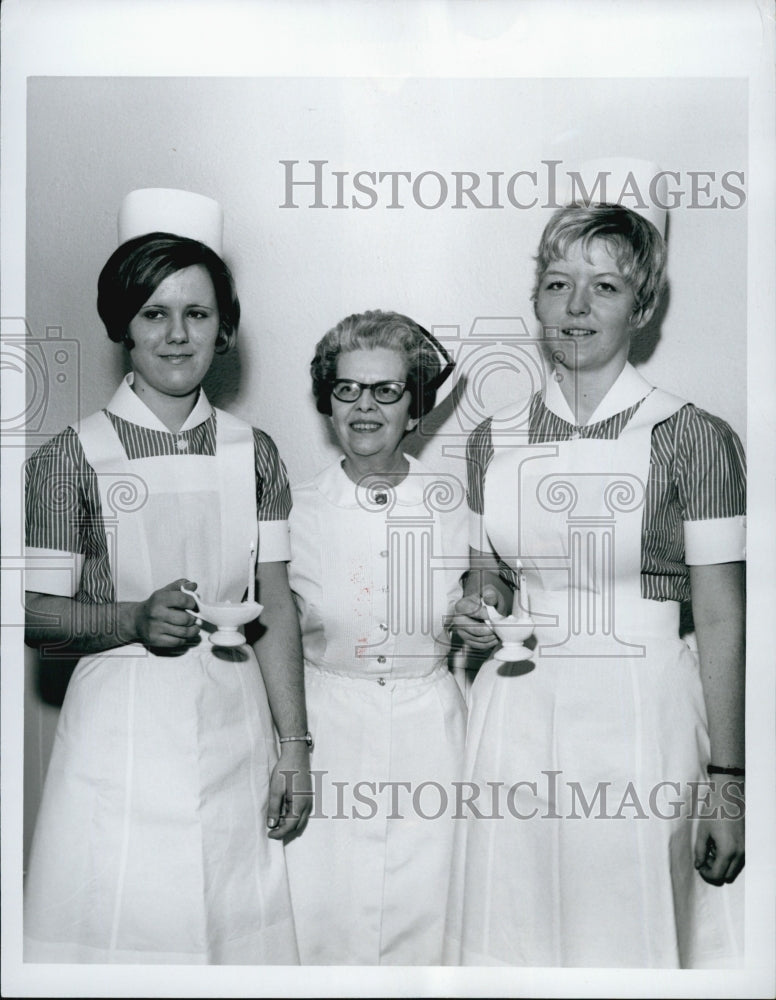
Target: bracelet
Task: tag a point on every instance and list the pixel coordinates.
(307, 738)
(736, 772)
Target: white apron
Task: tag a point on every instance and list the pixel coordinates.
(151, 841)
(587, 857)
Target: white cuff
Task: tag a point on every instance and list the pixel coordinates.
(274, 541)
(719, 540)
(51, 571)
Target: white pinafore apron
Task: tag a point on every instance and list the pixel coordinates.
(151, 841)
(587, 859)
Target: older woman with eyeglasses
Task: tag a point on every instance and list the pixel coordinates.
(374, 541)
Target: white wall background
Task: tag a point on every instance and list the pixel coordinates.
(298, 271)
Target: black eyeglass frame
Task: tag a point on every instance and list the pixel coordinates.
(372, 386)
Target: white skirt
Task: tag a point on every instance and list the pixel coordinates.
(369, 876)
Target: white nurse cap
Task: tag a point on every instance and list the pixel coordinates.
(169, 210)
(639, 185)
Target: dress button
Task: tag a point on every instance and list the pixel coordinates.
(182, 444)
(381, 659)
(383, 627)
(384, 553)
(576, 436)
(381, 499)
(381, 681)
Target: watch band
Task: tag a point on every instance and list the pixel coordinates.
(307, 738)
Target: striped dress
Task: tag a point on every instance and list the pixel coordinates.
(150, 844)
(587, 752)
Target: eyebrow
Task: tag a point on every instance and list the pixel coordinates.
(598, 274)
(188, 305)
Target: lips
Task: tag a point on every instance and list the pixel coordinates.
(577, 331)
(175, 359)
(367, 426)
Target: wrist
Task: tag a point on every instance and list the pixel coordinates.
(128, 621)
(296, 741)
(727, 770)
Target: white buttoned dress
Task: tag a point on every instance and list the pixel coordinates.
(373, 574)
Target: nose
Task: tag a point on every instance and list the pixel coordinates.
(578, 302)
(366, 400)
(176, 331)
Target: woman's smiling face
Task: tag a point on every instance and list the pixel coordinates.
(586, 308)
(370, 433)
(174, 335)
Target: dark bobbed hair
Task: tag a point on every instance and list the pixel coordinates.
(633, 241)
(136, 269)
(379, 329)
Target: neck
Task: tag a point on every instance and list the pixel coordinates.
(173, 411)
(359, 466)
(583, 391)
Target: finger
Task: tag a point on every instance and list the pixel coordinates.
(714, 865)
(275, 801)
(734, 868)
(472, 633)
(473, 630)
(490, 595)
(177, 599)
(172, 636)
(180, 618)
(468, 605)
(702, 841)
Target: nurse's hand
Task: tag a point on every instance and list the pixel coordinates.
(470, 620)
(290, 792)
(719, 842)
(163, 622)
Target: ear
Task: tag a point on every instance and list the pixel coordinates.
(642, 316)
(412, 423)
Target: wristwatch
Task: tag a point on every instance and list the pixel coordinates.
(307, 738)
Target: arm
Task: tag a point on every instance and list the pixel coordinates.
(718, 610)
(279, 652)
(66, 626)
(483, 581)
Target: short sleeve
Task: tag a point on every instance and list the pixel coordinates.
(479, 452)
(59, 487)
(273, 500)
(711, 483)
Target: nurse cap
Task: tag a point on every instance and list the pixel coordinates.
(169, 210)
(639, 185)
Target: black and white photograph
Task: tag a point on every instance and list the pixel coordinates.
(388, 496)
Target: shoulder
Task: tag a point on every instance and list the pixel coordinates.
(696, 430)
(266, 451)
(312, 486)
(64, 450)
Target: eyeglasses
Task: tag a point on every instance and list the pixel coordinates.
(348, 391)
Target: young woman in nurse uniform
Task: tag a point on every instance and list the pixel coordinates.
(620, 748)
(159, 833)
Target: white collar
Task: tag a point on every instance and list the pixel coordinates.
(130, 407)
(628, 388)
(335, 484)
